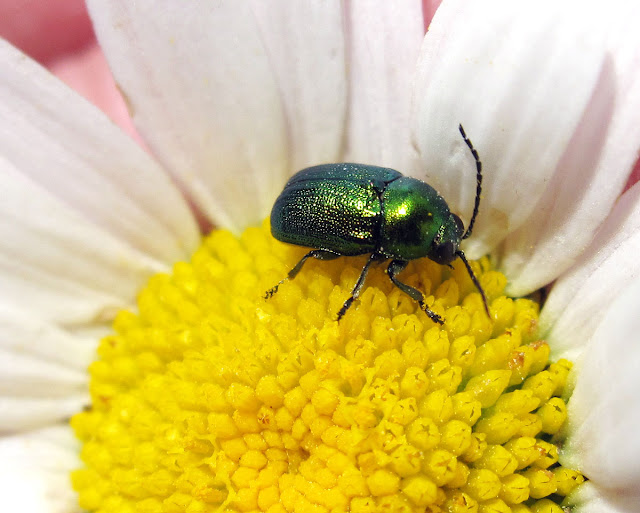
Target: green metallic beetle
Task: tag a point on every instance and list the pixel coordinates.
(354, 209)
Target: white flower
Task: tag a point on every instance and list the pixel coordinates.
(233, 97)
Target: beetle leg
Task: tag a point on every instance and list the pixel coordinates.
(375, 257)
(320, 254)
(397, 266)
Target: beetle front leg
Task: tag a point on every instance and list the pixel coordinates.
(320, 254)
(397, 266)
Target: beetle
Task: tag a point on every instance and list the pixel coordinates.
(355, 209)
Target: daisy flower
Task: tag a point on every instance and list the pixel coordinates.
(203, 396)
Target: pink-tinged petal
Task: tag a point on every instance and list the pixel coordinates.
(595, 166)
(306, 48)
(44, 29)
(87, 72)
(71, 150)
(603, 410)
(206, 96)
(34, 471)
(384, 39)
(577, 300)
(537, 93)
(86, 215)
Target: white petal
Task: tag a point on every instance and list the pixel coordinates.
(384, 44)
(604, 413)
(34, 471)
(511, 75)
(24, 334)
(529, 84)
(56, 263)
(590, 499)
(306, 47)
(74, 152)
(575, 306)
(43, 376)
(204, 95)
(24, 413)
(24, 375)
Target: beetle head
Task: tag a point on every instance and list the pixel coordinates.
(447, 241)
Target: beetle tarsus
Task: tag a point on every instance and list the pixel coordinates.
(319, 254)
(269, 293)
(432, 315)
(344, 308)
(397, 266)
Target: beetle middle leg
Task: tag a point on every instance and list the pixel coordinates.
(320, 254)
(397, 266)
(375, 257)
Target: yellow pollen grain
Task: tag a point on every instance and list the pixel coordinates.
(212, 399)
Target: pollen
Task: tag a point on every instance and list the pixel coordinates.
(211, 398)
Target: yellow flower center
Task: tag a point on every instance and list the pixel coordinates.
(212, 398)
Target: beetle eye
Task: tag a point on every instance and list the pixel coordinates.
(459, 225)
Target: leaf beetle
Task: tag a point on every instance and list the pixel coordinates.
(353, 209)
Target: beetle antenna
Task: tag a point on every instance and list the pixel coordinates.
(475, 281)
(467, 234)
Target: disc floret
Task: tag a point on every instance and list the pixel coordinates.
(212, 399)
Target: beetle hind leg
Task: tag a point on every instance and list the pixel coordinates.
(397, 266)
(320, 254)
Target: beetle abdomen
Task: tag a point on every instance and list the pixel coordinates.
(335, 207)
